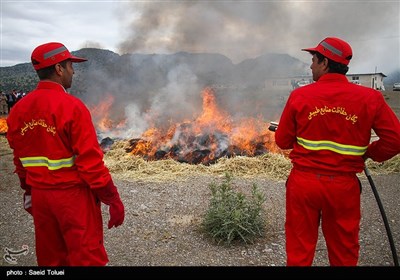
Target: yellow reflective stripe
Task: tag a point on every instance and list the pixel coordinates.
(332, 146)
(51, 164)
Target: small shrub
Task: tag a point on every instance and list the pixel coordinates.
(232, 215)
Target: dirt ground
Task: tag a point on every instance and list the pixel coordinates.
(162, 224)
(393, 99)
(162, 221)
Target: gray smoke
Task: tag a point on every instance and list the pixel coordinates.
(238, 30)
(245, 29)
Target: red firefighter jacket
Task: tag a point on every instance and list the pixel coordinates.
(328, 125)
(54, 141)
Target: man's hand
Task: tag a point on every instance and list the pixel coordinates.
(109, 195)
(117, 214)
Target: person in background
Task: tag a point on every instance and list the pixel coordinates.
(18, 96)
(328, 124)
(10, 100)
(3, 103)
(60, 166)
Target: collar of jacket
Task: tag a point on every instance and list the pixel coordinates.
(50, 85)
(333, 77)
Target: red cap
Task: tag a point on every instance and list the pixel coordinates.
(51, 53)
(335, 49)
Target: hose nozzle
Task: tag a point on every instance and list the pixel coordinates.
(273, 126)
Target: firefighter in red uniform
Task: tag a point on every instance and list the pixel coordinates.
(60, 166)
(327, 124)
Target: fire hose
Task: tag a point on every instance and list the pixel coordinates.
(385, 221)
(274, 126)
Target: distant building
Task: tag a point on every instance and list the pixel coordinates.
(372, 80)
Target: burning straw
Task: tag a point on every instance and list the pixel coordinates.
(274, 166)
(128, 166)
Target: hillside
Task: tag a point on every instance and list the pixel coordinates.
(143, 70)
(153, 71)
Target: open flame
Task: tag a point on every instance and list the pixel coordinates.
(211, 135)
(101, 115)
(3, 126)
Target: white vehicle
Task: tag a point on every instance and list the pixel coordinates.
(396, 86)
(302, 83)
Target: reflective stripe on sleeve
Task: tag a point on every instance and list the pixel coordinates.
(332, 146)
(51, 164)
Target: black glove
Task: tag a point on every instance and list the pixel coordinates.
(109, 195)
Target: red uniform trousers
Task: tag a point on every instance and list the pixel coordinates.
(333, 200)
(68, 227)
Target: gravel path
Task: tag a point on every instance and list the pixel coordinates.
(162, 224)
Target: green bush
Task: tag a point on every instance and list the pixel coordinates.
(232, 215)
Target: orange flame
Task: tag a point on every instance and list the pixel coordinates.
(212, 116)
(101, 115)
(211, 135)
(3, 126)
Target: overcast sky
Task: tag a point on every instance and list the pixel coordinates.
(237, 29)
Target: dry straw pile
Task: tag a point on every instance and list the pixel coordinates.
(271, 165)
